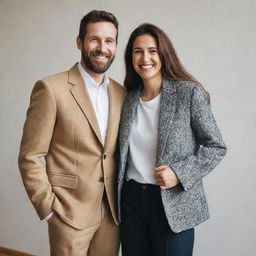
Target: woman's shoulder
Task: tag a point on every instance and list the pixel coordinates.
(185, 85)
(186, 90)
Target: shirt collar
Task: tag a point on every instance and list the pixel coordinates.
(89, 81)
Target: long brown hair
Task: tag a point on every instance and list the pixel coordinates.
(172, 68)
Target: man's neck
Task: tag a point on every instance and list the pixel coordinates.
(98, 78)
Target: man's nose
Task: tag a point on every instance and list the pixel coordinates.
(101, 46)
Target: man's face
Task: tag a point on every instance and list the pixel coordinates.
(98, 47)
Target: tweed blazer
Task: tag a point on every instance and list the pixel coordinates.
(62, 127)
(189, 141)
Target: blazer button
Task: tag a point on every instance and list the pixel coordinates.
(104, 156)
(101, 179)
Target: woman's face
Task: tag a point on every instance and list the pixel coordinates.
(145, 57)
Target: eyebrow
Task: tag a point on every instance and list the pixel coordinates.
(136, 48)
(95, 36)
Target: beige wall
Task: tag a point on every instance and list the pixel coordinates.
(216, 42)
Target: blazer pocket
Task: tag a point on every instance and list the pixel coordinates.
(63, 180)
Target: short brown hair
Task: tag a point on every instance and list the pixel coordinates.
(96, 16)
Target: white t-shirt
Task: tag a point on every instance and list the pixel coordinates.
(143, 142)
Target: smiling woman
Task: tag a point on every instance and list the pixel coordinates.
(161, 194)
(146, 60)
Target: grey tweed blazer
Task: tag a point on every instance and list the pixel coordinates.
(189, 141)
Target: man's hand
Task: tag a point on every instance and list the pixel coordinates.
(165, 177)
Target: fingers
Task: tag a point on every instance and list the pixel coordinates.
(160, 171)
(165, 177)
(163, 171)
(161, 168)
(160, 175)
(160, 182)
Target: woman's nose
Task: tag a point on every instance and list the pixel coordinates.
(145, 56)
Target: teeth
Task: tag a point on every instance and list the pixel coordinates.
(101, 57)
(147, 66)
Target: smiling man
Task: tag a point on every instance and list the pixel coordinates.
(72, 122)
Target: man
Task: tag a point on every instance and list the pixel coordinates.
(72, 122)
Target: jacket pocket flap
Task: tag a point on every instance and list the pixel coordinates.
(62, 180)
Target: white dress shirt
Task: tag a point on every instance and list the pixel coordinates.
(143, 142)
(99, 98)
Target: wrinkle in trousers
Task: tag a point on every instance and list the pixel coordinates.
(99, 239)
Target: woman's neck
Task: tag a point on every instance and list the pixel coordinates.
(151, 88)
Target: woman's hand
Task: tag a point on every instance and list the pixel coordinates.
(165, 177)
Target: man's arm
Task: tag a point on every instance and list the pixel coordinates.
(36, 139)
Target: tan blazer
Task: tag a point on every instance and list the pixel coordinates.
(61, 126)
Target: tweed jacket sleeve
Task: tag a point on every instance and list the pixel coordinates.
(212, 148)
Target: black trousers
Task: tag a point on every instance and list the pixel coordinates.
(144, 227)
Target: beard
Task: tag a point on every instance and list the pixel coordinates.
(94, 65)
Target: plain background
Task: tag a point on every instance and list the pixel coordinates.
(215, 40)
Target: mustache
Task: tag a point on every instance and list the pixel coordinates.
(98, 52)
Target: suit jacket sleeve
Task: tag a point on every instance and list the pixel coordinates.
(212, 149)
(36, 139)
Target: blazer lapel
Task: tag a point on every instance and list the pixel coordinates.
(166, 113)
(82, 98)
(115, 103)
(128, 116)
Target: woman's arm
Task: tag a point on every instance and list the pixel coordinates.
(212, 148)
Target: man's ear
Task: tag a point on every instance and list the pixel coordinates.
(79, 43)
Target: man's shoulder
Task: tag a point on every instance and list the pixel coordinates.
(56, 78)
(116, 85)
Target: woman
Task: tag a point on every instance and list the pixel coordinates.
(169, 141)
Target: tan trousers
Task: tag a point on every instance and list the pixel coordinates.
(101, 239)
